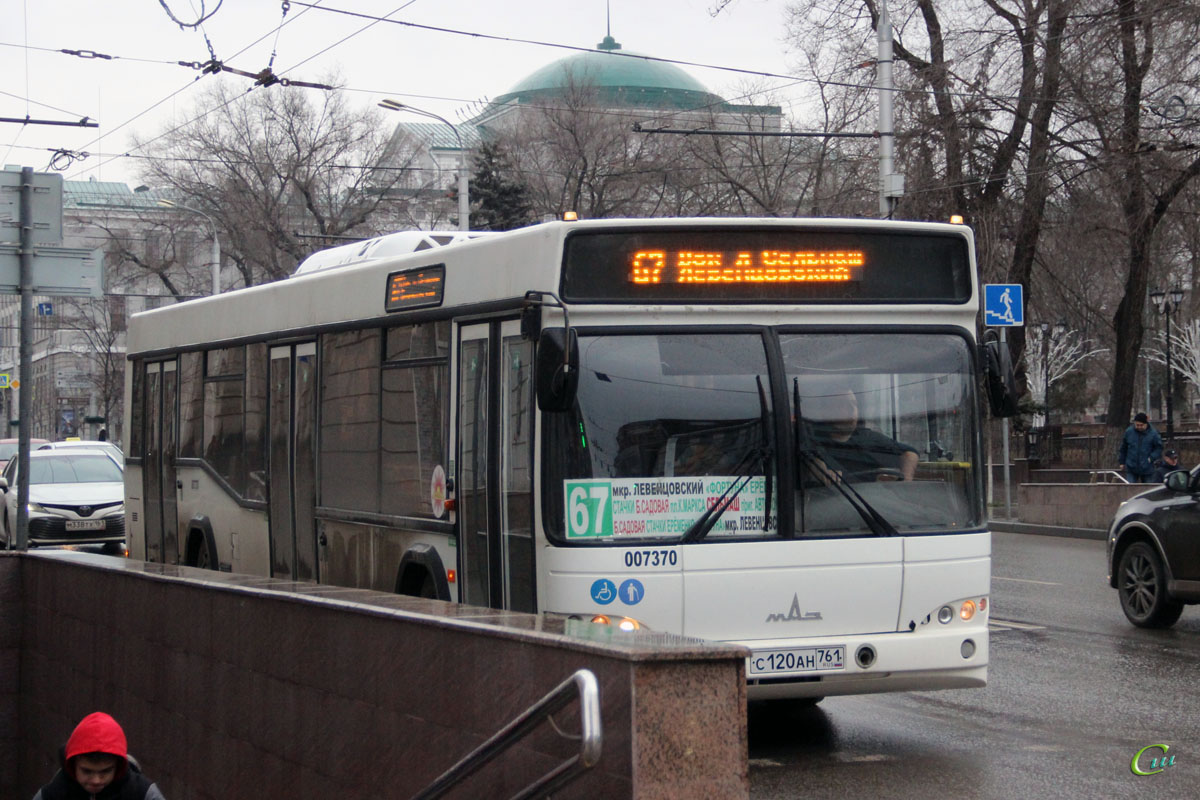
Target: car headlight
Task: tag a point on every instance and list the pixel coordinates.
(35, 508)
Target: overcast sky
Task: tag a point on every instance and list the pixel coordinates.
(441, 72)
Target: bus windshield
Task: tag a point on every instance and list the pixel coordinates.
(886, 419)
(665, 423)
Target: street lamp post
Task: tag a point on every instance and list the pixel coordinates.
(464, 204)
(1166, 302)
(216, 243)
(215, 252)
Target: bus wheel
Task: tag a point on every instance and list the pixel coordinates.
(198, 553)
(428, 588)
(416, 581)
(421, 574)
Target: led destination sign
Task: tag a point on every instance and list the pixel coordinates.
(415, 288)
(746, 266)
(801, 264)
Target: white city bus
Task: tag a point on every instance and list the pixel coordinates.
(641, 421)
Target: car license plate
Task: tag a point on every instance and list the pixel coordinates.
(798, 659)
(85, 525)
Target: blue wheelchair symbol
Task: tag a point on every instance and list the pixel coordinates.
(632, 592)
(604, 591)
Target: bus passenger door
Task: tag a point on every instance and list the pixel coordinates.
(158, 470)
(152, 463)
(291, 404)
(169, 450)
(494, 435)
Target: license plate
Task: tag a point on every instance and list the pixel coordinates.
(798, 659)
(85, 524)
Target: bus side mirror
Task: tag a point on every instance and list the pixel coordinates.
(557, 369)
(1001, 382)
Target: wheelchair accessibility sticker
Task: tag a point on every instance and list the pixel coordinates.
(604, 591)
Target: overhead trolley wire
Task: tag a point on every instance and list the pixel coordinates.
(282, 23)
(619, 54)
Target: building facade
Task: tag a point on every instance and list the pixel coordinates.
(152, 255)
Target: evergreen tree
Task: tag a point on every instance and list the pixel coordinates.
(497, 203)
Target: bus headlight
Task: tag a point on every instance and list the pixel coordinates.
(621, 623)
(968, 609)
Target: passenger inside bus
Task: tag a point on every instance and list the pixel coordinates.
(850, 448)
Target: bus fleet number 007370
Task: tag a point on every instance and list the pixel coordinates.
(651, 558)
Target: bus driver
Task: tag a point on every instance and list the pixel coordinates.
(851, 448)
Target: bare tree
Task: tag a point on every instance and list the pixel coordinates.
(1050, 359)
(1185, 353)
(1128, 59)
(786, 175)
(157, 251)
(97, 333)
(283, 171)
(978, 91)
(576, 155)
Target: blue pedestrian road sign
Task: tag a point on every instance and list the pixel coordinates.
(1003, 305)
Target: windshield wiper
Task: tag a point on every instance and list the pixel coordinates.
(768, 472)
(817, 462)
(760, 454)
(708, 519)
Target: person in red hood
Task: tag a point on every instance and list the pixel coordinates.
(96, 766)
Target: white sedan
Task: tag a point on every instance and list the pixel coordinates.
(87, 444)
(77, 496)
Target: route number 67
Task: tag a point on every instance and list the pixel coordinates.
(587, 508)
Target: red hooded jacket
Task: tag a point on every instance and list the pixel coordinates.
(99, 733)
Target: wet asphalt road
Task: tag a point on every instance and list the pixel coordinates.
(1074, 692)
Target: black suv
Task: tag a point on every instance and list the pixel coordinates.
(1154, 551)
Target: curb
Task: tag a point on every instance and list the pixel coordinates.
(1015, 526)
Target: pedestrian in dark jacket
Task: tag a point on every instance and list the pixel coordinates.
(1168, 464)
(96, 766)
(1140, 448)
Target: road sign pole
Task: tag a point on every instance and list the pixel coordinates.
(1004, 307)
(26, 350)
(1007, 462)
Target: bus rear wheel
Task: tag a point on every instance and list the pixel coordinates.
(198, 552)
(428, 588)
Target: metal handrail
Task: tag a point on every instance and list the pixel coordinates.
(591, 739)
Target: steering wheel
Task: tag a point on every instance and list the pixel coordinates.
(884, 474)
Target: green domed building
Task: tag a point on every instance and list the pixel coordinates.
(631, 87)
(618, 79)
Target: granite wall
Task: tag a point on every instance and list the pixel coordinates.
(1081, 505)
(231, 686)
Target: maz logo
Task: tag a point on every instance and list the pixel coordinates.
(794, 613)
